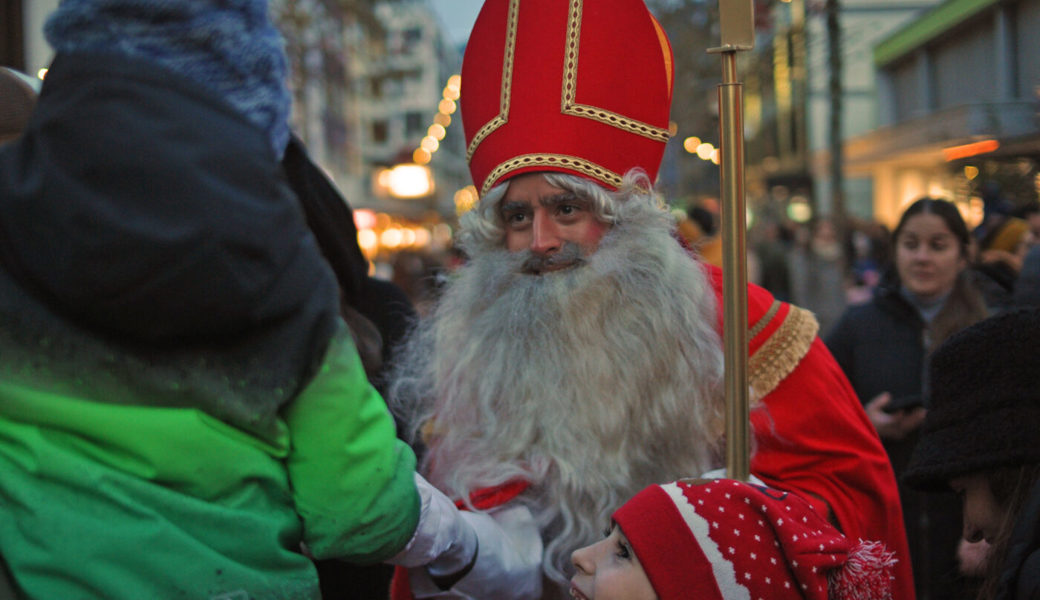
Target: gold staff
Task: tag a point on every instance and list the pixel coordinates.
(736, 18)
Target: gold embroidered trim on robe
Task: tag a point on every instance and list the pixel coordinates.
(782, 352)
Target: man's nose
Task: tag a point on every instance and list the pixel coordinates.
(545, 238)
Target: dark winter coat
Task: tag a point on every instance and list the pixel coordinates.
(1021, 577)
(881, 347)
(1027, 287)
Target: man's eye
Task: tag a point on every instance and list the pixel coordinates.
(623, 550)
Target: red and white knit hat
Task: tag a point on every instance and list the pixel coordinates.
(726, 540)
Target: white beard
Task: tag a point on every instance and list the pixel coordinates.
(590, 383)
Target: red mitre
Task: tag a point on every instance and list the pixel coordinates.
(579, 86)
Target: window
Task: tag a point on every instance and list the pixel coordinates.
(380, 132)
(413, 122)
(412, 35)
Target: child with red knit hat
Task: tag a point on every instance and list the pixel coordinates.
(721, 539)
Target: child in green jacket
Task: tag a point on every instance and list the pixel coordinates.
(182, 410)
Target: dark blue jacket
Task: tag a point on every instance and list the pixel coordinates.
(1021, 577)
(881, 347)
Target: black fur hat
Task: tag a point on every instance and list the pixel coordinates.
(985, 401)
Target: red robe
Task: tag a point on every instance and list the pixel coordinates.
(811, 434)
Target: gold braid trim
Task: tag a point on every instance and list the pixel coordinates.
(616, 120)
(765, 320)
(485, 131)
(552, 160)
(507, 83)
(570, 74)
(782, 352)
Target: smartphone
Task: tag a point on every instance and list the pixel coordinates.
(909, 402)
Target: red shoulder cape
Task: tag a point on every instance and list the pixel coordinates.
(811, 434)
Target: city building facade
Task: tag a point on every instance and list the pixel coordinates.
(791, 83)
(959, 98)
(368, 85)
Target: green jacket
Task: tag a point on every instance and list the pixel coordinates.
(119, 501)
(182, 411)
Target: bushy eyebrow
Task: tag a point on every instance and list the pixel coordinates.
(546, 201)
(556, 199)
(512, 207)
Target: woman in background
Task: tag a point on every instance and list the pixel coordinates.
(883, 347)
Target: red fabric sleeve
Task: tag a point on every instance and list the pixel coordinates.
(400, 587)
(814, 439)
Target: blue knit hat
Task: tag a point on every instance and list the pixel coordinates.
(228, 46)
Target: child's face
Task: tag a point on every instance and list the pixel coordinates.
(982, 512)
(609, 570)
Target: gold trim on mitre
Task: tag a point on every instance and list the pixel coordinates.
(575, 163)
(568, 106)
(507, 82)
(784, 349)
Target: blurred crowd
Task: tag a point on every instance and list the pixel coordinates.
(815, 265)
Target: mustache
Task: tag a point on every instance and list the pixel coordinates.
(568, 256)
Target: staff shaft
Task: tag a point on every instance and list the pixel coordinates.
(734, 270)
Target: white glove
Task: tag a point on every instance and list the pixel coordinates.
(443, 541)
(509, 562)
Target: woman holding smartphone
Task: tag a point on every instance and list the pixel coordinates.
(883, 347)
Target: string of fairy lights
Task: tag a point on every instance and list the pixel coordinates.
(379, 231)
(466, 197)
(439, 128)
